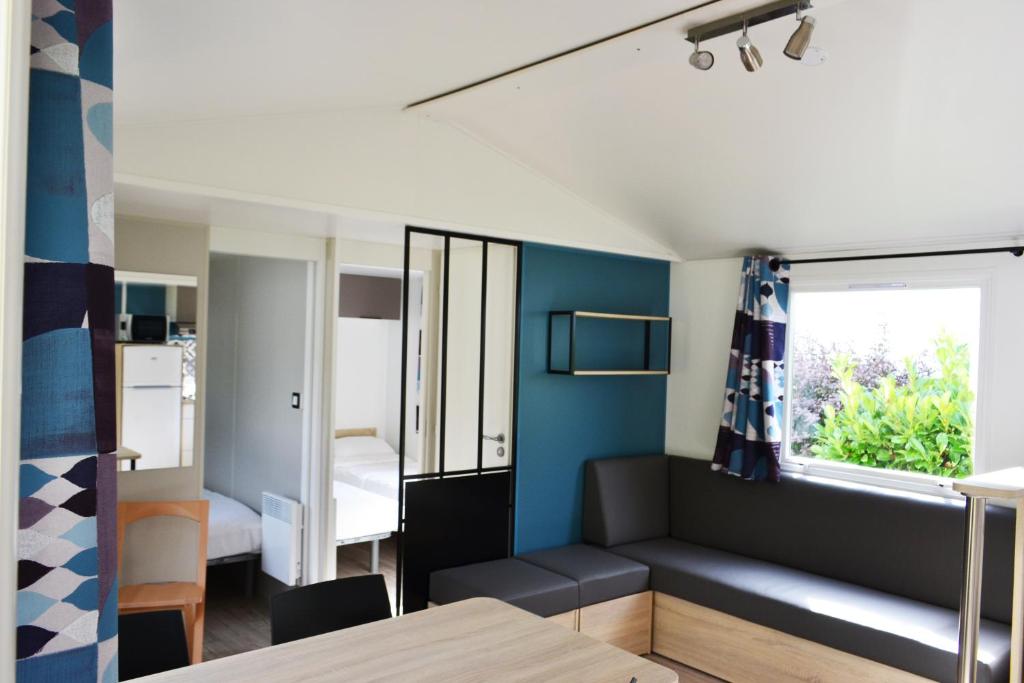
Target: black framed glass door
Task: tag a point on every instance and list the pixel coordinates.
(460, 334)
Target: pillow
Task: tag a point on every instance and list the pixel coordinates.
(352, 447)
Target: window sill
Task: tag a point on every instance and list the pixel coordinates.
(922, 484)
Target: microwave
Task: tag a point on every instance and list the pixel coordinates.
(152, 329)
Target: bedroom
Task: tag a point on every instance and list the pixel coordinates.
(444, 303)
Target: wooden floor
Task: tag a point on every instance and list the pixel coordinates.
(237, 624)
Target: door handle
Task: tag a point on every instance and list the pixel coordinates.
(499, 438)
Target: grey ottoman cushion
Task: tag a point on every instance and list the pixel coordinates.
(906, 634)
(602, 575)
(518, 583)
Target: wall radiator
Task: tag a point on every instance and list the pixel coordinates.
(282, 538)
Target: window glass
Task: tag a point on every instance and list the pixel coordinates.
(885, 377)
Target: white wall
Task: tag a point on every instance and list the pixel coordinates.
(379, 163)
(703, 301)
(258, 311)
(15, 21)
(368, 373)
(362, 370)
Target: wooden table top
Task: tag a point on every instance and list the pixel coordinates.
(123, 453)
(474, 640)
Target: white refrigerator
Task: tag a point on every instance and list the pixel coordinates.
(151, 404)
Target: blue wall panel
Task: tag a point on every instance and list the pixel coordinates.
(563, 420)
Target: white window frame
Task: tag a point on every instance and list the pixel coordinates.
(864, 275)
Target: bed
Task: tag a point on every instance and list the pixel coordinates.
(234, 534)
(365, 489)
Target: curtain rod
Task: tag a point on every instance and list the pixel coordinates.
(1015, 250)
(563, 53)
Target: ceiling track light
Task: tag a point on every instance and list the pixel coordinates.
(801, 38)
(750, 56)
(701, 59)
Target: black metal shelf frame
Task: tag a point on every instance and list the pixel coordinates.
(575, 315)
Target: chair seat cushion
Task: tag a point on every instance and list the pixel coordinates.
(158, 595)
(903, 633)
(601, 575)
(516, 582)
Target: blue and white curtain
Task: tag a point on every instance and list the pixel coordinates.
(750, 436)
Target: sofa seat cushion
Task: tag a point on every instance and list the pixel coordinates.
(518, 583)
(601, 575)
(903, 633)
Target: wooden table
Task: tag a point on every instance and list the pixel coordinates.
(1007, 485)
(474, 640)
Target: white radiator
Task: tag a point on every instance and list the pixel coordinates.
(282, 538)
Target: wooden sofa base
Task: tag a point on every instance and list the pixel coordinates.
(739, 651)
(625, 622)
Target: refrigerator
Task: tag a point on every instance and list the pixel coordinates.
(151, 404)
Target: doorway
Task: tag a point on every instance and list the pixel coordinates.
(458, 508)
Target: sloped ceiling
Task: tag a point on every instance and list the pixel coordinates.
(908, 134)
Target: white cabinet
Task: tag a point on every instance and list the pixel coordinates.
(148, 365)
(151, 420)
(151, 425)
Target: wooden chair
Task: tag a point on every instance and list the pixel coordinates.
(190, 598)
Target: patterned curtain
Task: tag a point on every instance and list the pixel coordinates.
(750, 435)
(67, 540)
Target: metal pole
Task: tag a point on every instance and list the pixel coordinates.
(970, 595)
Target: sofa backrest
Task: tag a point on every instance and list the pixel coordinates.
(903, 544)
(625, 500)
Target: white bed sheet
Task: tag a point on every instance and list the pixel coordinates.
(360, 513)
(369, 463)
(234, 529)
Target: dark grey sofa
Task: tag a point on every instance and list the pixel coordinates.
(869, 572)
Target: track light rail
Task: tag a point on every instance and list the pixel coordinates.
(753, 17)
(564, 53)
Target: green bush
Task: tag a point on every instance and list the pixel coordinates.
(921, 425)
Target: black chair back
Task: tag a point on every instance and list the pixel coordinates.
(329, 606)
(149, 643)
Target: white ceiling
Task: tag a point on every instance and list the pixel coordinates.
(909, 134)
(196, 59)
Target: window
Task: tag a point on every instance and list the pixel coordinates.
(883, 380)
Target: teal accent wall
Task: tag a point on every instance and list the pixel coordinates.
(563, 420)
(142, 299)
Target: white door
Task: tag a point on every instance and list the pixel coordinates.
(151, 365)
(151, 425)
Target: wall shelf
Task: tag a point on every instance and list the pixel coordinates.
(570, 368)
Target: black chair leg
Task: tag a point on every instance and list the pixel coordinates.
(250, 577)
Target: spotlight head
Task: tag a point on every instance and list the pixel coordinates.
(701, 59)
(800, 40)
(749, 54)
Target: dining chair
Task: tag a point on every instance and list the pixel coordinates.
(329, 606)
(188, 597)
(150, 643)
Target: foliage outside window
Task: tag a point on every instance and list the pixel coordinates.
(860, 404)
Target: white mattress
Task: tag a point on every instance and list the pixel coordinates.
(361, 513)
(234, 529)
